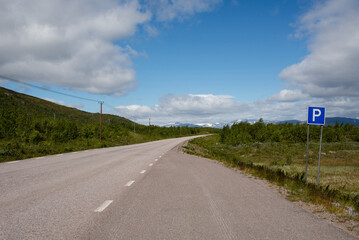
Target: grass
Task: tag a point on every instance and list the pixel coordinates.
(284, 165)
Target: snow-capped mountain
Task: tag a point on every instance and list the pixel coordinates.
(329, 121)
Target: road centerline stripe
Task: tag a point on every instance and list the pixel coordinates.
(103, 206)
(151, 164)
(143, 171)
(129, 183)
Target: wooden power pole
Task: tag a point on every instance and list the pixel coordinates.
(149, 126)
(101, 102)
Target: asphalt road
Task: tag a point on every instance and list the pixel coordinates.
(145, 191)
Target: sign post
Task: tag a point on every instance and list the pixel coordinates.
(320, 150)
(316, 116)
(306, 159)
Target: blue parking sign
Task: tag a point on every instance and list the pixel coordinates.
(316, 115)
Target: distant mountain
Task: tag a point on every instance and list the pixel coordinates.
(178, 124)
(328, 121)
(288, 121)
(341, 120)
(210, 125)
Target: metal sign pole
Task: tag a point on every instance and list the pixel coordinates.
(316, 116)
(306, 159)
(320, 150)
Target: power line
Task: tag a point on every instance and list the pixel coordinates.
(65, 94)
(108, 105)
(45, 89)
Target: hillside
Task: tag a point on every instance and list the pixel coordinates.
(28, 105)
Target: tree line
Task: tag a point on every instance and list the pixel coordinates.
(244, 132)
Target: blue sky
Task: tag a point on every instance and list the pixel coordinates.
(236, 49)
(187, 61)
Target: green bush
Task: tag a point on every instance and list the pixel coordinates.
(36, 137)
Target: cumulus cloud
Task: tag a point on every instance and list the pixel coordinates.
(288, 95)
(331, 68)
(175, 108)
(70, 43)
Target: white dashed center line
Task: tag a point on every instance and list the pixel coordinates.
(59, 155)
(129, 183)
(40, 157)
(150, 164)
(156, 159)
(103, 206)
(143, 171)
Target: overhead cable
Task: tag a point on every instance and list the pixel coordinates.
(45, 89)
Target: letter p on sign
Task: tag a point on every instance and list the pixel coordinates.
(316, 115)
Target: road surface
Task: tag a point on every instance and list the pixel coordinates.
(145, 191)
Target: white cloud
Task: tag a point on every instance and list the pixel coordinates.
(166, 10)
(176, 108)
(205, 105)
(331, 68)
(288, 95)
(70, 43)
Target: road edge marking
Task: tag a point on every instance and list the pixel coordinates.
(13, 161)
(103, 206)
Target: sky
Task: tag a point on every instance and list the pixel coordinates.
(189, 61)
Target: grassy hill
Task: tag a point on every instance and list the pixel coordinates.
(28, 105)
(28, 128)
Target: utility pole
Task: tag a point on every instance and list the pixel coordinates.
(149, 126)
(101, 102)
